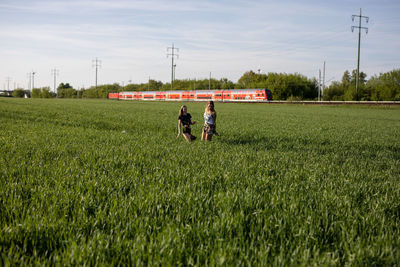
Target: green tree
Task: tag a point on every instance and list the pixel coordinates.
(36, 93)
(335, 92)
(362, 79)
(250, 80)
(66, 91)
(282, 85)
(346, 78)
(46, 93)
(19, 92)
(346, 90)
(102, 91)
(132, 87)
(43, 92)
(385, 87)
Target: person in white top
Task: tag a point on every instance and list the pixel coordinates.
(210, 117)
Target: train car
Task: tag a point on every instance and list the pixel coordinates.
(223, 95)
(173, 95)
(204, 95)
(113, 96)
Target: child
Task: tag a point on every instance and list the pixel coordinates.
(210, 117)
(184, 120)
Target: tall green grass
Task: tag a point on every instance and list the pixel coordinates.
(107, 182)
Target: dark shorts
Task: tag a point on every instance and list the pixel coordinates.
(209, 128)
(186, 129)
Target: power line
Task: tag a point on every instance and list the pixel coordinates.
(359, 41)
(172, 54)
(96, 63)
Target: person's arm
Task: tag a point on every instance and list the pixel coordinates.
(179, 128)
(191, 122)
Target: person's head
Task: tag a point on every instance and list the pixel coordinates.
(210, 107)
(183, 110)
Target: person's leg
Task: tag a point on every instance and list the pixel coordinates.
(187, 137)
(203, 136)
(209, 137)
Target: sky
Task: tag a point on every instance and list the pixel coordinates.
(223, 37)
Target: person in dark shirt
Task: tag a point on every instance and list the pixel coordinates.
(185, 120)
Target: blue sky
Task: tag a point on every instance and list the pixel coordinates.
(225, 38)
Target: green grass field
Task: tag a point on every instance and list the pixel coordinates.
(107, 182)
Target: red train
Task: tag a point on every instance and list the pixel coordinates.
(197, 95)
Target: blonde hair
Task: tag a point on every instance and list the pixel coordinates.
(210, 110)
(181, 110)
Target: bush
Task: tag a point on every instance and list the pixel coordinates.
(36, 93)
(43, 92)
(18, 93)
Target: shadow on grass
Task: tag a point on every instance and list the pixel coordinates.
(282, 143)
(258, 142)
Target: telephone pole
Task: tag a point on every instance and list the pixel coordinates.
(359, 41)
(55, 72)
(319, 86)
(171, 52)
(8, 79)
(33, 80)
(323, 81)
(96, 64)
(209, 82)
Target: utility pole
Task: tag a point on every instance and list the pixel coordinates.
(96, 63)
(323, 81)
(148, 85)
(209, 82)
(319, 86)
(8, 79)
(171, 52)
(55, 72)
(33, 80)
(359, 41)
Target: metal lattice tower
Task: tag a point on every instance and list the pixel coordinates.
(171, 52)
(55, 72)
(359, 41)
(96, 64)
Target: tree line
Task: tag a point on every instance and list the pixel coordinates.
(382, 87)
(284, 86)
